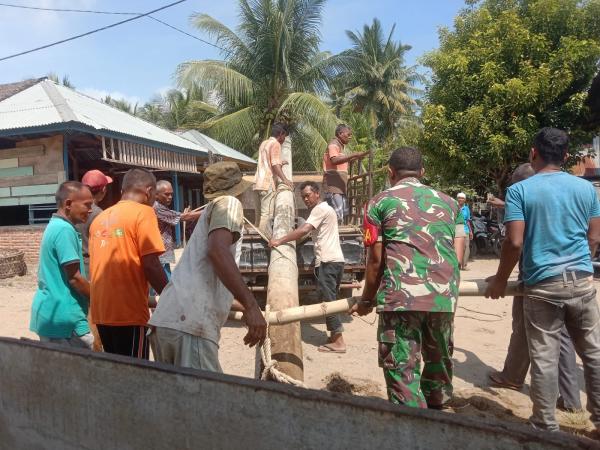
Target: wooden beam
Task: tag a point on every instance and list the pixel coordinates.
(34, 150)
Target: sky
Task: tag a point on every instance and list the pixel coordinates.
(136, 61)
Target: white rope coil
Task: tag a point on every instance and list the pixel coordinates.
(271, 370)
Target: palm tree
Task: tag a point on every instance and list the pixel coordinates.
(377, 82)
(186, 109)
(65, 80)
(272, 70)
(122, 104)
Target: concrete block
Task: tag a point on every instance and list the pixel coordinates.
(8, 163)
(16, 172)
(34, 189)
(60, 398)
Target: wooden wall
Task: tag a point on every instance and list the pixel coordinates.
(31, 171)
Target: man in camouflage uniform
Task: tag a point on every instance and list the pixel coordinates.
(412, 278)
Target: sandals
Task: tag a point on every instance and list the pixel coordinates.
(327, 348)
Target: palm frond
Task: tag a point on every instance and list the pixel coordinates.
(216, 75)
(237, 129)
(223, 36)
(307, 108)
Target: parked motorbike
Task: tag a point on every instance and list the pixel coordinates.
(487, 236)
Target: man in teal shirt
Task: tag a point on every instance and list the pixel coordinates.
(553, 219)
(60, 304)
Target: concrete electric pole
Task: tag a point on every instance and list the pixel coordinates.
(282, 290)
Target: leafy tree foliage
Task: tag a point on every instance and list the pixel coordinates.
(506, 69)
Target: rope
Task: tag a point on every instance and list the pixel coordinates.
(271, 371)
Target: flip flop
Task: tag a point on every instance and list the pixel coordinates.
(327, 348)
(498, 381)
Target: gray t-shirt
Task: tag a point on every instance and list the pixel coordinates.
(84, 230)
(195, 301)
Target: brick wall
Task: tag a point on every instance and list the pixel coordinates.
(26, 238)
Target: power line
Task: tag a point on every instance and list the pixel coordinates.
(38, 8)
(92, 31)
(190, 35)
(122, 13)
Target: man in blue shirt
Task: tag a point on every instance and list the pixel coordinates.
(60, 304)
(461, 198)
(554, 218)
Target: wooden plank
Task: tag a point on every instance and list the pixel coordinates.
(35, 200)
(9, 201)
(9, 163)
(34, 189)
(25, 181)
(4, 192)
(33, 150)
(51, 163)
(16, 172)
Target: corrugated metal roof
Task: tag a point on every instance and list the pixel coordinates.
(217, 147)
(42, 102)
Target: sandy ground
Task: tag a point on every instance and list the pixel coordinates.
(482, 331)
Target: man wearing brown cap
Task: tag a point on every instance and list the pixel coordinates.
(97, 182)
(186, 325)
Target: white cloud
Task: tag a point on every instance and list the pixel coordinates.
(99, 94)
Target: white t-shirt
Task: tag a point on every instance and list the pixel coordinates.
(326, 235)
(195, 301)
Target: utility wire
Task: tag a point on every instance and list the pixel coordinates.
(121, 13)
(37, 8)
(92, 31)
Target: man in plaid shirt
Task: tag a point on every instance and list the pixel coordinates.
(167, 219)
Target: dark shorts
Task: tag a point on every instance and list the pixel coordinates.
(129, 340)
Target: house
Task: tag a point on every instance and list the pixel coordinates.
(50, 133)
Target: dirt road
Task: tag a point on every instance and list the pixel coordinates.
(482, 330)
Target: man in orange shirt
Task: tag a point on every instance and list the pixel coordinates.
(268, 171)
(125, 244)
(335, 171)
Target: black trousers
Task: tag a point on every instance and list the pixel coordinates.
(329, 278)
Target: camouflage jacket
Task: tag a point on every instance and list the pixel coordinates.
(417, 226)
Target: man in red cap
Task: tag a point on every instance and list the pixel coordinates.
(97, 182)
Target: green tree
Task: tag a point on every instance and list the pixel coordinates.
(272, 70)
(377, 82)
(506, 69)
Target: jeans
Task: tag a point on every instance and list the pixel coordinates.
(516, 364)
(329, 278)
(548, 306)
(339, 203)
(167, 269)
(264, 209)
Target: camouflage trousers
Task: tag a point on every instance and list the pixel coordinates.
(406, 337)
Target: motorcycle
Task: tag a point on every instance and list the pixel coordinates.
(487, 236)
